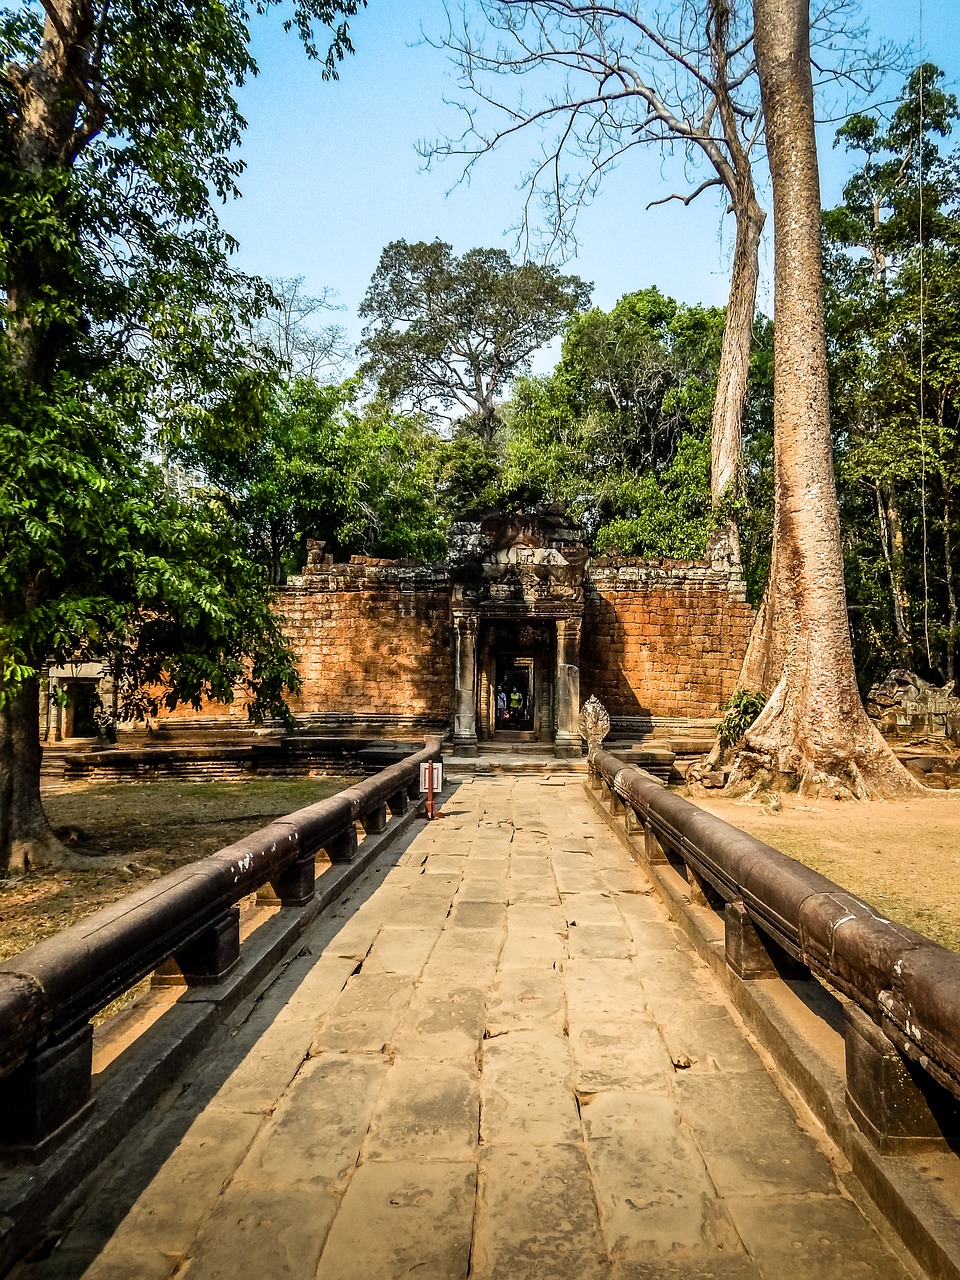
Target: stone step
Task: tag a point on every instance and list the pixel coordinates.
(463, 766)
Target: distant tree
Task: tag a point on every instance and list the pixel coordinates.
(468, 472)
(891, 256)
(620, 431)
(446, 334)
(288, 332)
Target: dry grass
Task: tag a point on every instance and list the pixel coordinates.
(154, 826)
(901, 856)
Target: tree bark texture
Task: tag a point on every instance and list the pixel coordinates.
(25, 835)
(59, 111)
(736, 173)
(813, 730)
(951, 645)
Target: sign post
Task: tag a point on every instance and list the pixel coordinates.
(431, 780)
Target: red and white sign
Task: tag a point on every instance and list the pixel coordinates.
(425, 777)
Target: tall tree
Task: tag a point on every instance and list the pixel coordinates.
(899, 204)
(613, 77)
(118, 129)
(813, 730)
(620, 80)
(449, 333)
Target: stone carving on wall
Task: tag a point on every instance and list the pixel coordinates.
(594, 724)
(525, 559)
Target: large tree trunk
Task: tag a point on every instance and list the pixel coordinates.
(47, 133)
(726, 431)
(813, 732)
(25, 835)
(726, 425)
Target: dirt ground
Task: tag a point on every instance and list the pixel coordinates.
(154, 826)
(901, 856)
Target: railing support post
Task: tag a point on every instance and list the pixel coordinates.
(697, 889)
(375, 821)
(47, 1095)
(899, 1107)
(745, 951)
(399, 803)
(652, 848)
(208, 959)
(342, 848)
(293, 887)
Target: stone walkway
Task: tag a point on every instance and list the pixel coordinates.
(478, 1068)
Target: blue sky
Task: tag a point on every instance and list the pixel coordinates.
(333, 174)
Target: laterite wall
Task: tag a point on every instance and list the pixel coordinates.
(373, 637)
(662, 638)
(375, 641)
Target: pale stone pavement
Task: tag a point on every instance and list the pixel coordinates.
(470, 1072)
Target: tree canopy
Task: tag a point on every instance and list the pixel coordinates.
(290, 460)
(620, 432)
(449, 333)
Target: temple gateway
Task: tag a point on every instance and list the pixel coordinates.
(499, 643)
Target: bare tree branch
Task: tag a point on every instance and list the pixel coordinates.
(689, 197)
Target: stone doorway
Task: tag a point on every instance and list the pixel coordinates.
(515, 689)
(516, 699)
(516, 606)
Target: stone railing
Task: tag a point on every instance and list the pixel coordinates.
(184, 928)
(783, 919)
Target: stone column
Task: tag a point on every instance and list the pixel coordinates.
(465, 694)
(567, 737)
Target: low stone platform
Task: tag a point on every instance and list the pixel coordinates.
(519, 759)
(496, 1058)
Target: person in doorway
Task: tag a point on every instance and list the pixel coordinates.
(516, 703)
(501, 702)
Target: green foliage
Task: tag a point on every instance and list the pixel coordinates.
(620, 431)
(122, 324)
(892, 305)
(449, 333)
(295, 460)
(468, 472)
(673, 507)
(738, 715)
(98, 559)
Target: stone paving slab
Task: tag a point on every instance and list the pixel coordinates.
(533, 1218)
(426, 1111)
(818, 1237)
(503, 1062)
(312, 1139)
(403, 1218)
(444, 1021)
(276, 1232)
(522, 998)
(527, 1089)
